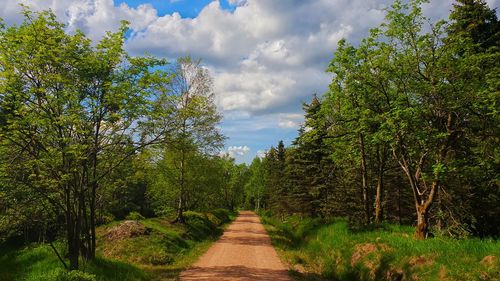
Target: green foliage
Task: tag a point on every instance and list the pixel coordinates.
(72, 111)
(255, 187)
(104, 218)
(193, 138)
(166, 250)
(160, 257)
(406, 132)
(223, 215)
(328, 250)
(199, 227)
(475, 20)
(75, 275)
(38, 263)
(134, 216)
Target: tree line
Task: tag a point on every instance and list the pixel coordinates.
(407, 132)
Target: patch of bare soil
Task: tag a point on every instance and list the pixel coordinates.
(376, 262)
(361, 251)
(420, 261)
(127, 229)
(490, 261)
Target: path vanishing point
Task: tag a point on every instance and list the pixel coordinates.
(244, 252)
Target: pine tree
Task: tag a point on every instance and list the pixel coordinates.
(475, 20)
(309, 168)
(275, 165)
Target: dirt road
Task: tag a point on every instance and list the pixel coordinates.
(243, 253)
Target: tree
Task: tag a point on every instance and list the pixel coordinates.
(472, 38)
(71, 113)
(275, 183)
(195, 120)
(424, 98)
(475, 20)
(255, 188)
(309, 171)
(234, 180)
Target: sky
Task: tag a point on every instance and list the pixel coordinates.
(266, 57)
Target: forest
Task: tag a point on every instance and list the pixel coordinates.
(408, 131)
(404, 143)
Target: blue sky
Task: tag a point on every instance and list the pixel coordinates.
(187, 9)
(266, 57)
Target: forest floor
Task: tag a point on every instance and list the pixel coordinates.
(141, 249)
(318, 250)
(244, 252)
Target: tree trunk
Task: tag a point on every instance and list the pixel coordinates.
(378, 199)
(71, 233)
(440, 210)
(92, 221)
(95, 185)
(85, 244)
(380, 185)
(422, 229)
(366, 199)
(180, 211)
(399, 205)
(180, 207)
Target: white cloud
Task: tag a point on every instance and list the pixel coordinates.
(237, 2)
(261, 153)
(238, 150)
(266, 56)
(290, 120)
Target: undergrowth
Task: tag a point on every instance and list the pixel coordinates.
(322, 250)
(161, 254)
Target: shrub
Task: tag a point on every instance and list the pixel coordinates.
(74, 275)
(160, 258)
(214, 219)
(199, 227)
(78, 276)
(134, 216)
(105, 219)
(222, 214)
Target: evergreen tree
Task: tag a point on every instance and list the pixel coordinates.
(475, 20)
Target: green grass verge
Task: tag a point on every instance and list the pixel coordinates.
(316, 250)
(161, 254)
(39, 263)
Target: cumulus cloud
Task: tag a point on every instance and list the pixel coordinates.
(237, 2)
(261, 153)
(290, 120)
(266, 57)
(94, 17)
(238, 150)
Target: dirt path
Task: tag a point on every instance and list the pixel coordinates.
(243, 253)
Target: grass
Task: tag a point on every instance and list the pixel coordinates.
(332, 251)
(38, 262)
(160, 255)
